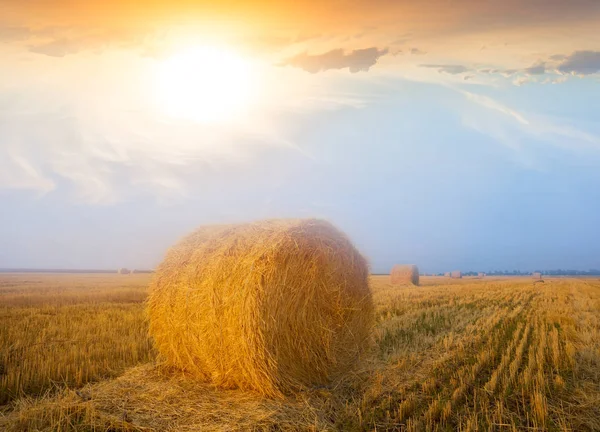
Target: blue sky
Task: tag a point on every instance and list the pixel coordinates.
(446, 159)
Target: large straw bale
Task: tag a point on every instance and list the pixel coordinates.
(272, 306)
(404, 274)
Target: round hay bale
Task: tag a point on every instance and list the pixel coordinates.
(272, 306)
(404, 274)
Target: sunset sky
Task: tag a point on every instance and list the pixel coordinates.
(461, 134)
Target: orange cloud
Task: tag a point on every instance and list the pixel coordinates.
(515, 33)
(329, 16)
(355, 61)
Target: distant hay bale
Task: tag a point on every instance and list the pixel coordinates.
(536, 275)
(456, 274)
(272, 306)
(481, 274)
(404, 274)
(123, 271)
(140, 271)
(447, 274)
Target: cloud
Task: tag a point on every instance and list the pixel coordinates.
(356, 61)
(491, 104)
(461, 28)
(76, 142)
(60, 41)
(10, 33)
(100, 159)
(17, 172)
(518, 77)
(406, 37)
(449, 69)
(581, 63)
(537, 69)
(506, 73)
(519, 81)
(58, 48)
(464, 32)
(558, 80)
(577, 63)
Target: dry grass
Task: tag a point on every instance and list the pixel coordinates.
(468, 354)
(271, 306)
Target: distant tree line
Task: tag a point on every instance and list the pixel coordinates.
(36, 270)
(560, 272)
(557, 272)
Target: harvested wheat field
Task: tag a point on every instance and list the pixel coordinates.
(453, 354)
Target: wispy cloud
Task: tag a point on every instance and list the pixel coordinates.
(58, 47)
(491, 104)
(14, 33)
(417, 51)
(517, 77)
(557, 80)
(105, 161)
(17, 172)
(519, 81)
(512, 127)
(83, 145)
(453, 69)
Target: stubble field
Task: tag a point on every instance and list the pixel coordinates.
(471, 354)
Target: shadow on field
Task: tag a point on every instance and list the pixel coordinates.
(148, 398)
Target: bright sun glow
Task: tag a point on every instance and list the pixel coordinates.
(205, 84)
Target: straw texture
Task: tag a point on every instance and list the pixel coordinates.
(404, 274)
(272, 306)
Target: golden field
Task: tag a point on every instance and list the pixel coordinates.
(470, 354)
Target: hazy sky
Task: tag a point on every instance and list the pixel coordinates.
(454, 135)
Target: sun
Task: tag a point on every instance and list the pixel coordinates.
(205, 84)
